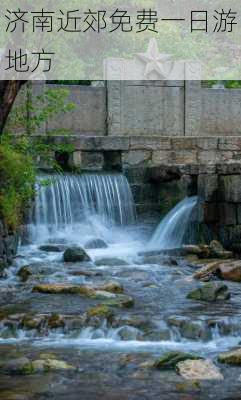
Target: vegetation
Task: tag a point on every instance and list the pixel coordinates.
(17, 177)
(19, 154)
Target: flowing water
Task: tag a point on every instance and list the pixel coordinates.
(108, 354)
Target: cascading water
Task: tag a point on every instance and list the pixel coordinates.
(171, 231)
(69, 200)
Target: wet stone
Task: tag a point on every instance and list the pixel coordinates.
(209, 292)
(75, 254)
(171, 359)
(199, 370)
(50, 248)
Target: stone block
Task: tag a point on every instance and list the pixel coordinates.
(239, 213)
(227, 214)
(209, 156)
(75, 160)
(150, 143)
(210, 213)
(229, 169)
(193, 143)
(92, 161)
(135, 158)
(207, 169)
(110, 143)
(208, 187)
(230, 143)
(161, 157)
(234, 234)
(230, 188)
(189, 169)
(184, 156)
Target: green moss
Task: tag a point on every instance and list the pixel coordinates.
(100, 311)
(17, 177)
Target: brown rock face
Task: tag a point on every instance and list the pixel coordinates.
(230, 272)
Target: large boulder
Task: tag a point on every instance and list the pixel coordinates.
(211, 291)
(171, 359)
(230, 271)
(231, 357)
(75, 254)
(199, 370)
(95, 243)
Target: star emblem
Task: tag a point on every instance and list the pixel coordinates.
(156, 62)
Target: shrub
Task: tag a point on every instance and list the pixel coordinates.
(17, 177)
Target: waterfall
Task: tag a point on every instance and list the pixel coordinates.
(70, 200)
(172, 230)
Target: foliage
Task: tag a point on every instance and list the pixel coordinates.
(17, 177)
(20, 153)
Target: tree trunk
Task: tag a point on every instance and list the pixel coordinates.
(8, 93)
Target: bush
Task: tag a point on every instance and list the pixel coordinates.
(17, 177)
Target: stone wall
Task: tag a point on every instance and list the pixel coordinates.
(148, 108)
(218, 187)
(8, 246)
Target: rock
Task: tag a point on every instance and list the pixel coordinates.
(129, 333)
(193, 249)
(112, 287)
(217, 250)
(54, 365)
(230, 271)
(231, 357)
(75, 254)
(20, 366)
(31, 322)
(195, 330)
(171, 359)
(121, 301)
(201, 250)
(82, 290)
(101, 311)
(55, 321)
(50, 248)
(24, 273)
(207, 270)
(24, 366)
(211, 291)
(198, 370)
(96, 244)
(110, 262)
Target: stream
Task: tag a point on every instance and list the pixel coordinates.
(109, 356)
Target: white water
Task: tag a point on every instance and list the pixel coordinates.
(70, 203)
(171, 231)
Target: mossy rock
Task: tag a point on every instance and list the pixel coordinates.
(75, 254)
(209, 292)
(24, 273)
(230, 357)
(171, 359)
(100, 311)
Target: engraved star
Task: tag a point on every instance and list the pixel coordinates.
(155, 62)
